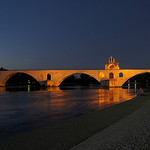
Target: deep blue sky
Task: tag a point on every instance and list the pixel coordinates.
(74, 34)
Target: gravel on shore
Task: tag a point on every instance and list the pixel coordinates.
(114, 127)
(131, 132)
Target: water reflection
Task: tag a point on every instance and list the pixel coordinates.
(22, 111)
(114, 96)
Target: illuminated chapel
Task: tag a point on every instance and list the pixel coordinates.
(111, 64)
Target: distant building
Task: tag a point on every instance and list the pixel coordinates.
(111, 64)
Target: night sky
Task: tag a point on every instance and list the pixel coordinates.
(74, 34)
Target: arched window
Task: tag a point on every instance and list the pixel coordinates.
(48, 77)
(111, 75)
(111, 67)
(120, 74)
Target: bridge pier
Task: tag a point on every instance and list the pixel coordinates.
(111, 83)
(115, 82)
(43, 83)
(2, 84)
(104, 83)
(47, 83)
(50, 83)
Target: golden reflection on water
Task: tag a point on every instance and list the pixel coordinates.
(55, 100)
(39, 108)
(64, 101)
(114, 96)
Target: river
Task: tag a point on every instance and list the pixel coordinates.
(21, 111)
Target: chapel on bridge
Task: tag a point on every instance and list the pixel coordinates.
(111, 64)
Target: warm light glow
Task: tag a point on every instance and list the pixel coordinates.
(101, 75)
(116, 95)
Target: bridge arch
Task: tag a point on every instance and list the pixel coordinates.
(9, 76)
(133, 75)
(71, 74)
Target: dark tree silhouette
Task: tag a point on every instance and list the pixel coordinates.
(3, 69)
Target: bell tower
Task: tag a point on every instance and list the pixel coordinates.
(111, 64)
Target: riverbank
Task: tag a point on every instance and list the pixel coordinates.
(73, 131)
(130, 132)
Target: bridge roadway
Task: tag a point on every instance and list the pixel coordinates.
(107, 77)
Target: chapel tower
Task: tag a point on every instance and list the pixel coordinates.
(111, 64)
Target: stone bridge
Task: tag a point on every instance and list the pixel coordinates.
(112, 76)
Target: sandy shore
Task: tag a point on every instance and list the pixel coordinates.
(99, 126)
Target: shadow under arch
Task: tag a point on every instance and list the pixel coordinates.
(95, 81)
(142, 80)
(20, 79)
